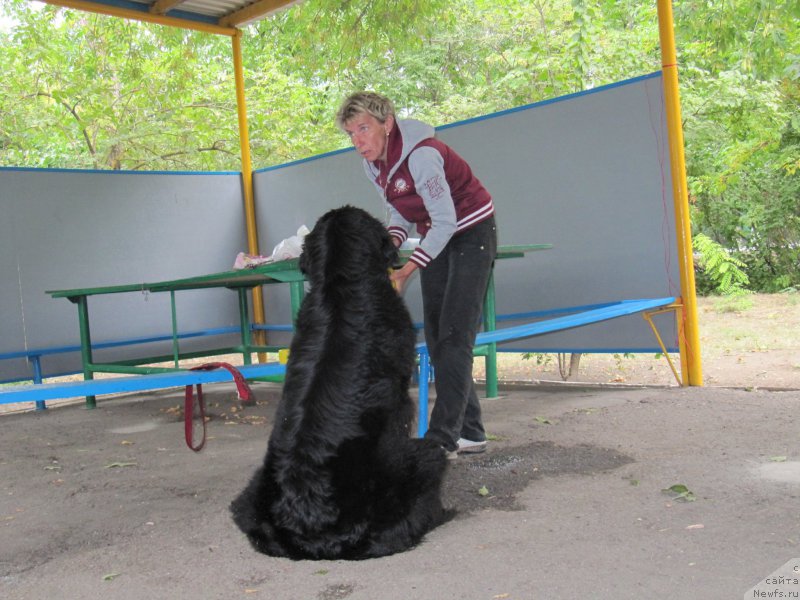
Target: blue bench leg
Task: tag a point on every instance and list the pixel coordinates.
(37, 378)
(424, 379)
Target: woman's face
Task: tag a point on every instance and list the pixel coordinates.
(369, 136)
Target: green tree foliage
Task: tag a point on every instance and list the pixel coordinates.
(719, 271)
(741, 92)
(80, 90)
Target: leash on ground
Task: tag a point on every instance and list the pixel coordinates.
(243, 390)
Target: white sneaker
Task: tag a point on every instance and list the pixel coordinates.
(470, 447)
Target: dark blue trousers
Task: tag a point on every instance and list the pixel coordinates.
(453, 290)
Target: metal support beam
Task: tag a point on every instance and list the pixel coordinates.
(691, 364)
(247, 179)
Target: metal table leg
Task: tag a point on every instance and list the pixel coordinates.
(244, 320)
(490, 324)
(86, 344)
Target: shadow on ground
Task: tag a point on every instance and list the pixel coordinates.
(493, 480)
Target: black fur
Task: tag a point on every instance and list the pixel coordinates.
(342, 478)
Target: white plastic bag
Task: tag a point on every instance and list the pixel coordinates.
(292, 246)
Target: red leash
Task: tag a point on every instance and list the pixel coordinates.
(244, 391)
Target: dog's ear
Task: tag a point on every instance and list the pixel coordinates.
(313, 255)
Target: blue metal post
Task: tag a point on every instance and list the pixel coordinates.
(424, 378)
(36, 363)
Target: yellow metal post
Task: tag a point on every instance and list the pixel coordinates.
(691, 364)
(247, 177)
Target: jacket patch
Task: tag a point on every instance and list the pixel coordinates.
(401, 185)
(434, 187)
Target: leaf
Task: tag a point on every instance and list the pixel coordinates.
(778, 458)
(117, 465)
(111, 576)
(678, 488)
(483, 491)
(684, 493)
(544, 420)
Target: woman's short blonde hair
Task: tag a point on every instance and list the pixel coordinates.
(371, 103)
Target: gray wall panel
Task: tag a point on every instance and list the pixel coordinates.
(73, 229)
(12, 328)
(588, 173)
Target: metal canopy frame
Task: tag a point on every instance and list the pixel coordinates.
(226, 16)
(212, 16)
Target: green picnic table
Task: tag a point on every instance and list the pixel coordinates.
(241, 281)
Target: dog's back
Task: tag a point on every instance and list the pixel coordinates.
(342, 478)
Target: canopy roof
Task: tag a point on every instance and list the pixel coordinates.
(214, 16)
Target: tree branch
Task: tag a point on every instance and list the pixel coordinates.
(74, 112)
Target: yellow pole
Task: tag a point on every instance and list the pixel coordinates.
(690, 337)
(247, 177)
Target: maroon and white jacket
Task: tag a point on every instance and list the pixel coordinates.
(427, 184)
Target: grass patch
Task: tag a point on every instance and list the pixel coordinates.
(733, 304)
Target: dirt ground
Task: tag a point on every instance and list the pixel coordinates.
(753, 341)
(569, 500)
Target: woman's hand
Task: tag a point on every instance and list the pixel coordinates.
(399, 278)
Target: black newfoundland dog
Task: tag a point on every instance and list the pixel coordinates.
(342, 478)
